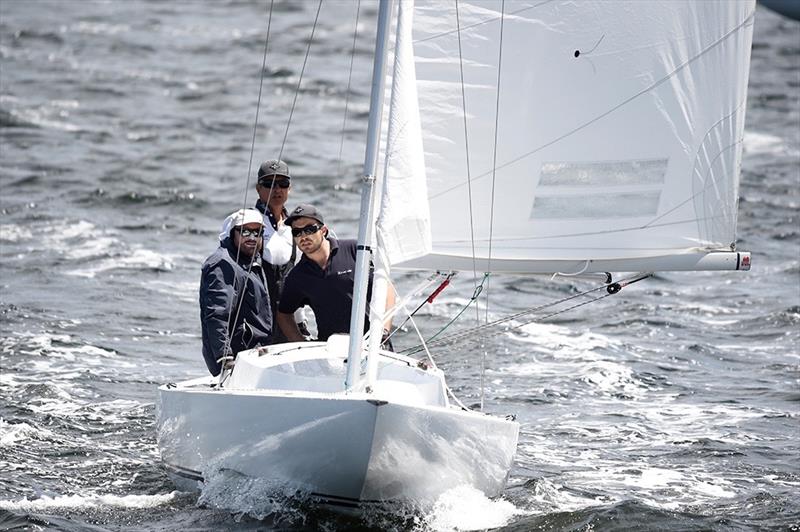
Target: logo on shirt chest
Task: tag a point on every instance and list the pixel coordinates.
(343, 272)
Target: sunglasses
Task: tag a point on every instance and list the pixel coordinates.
(270, 183)
(307, 230)
(249, 232)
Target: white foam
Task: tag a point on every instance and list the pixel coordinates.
(82, 242)
(256, 497)
(99, 28)
(46, 344)
(134, 260)
(563, 339)
(465, 508)
(12, 433)
(14, 232)
(686, 487)
(613, 378)
(88, 501)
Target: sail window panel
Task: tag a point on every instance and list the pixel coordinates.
(606, 173)
(569, 190)
(625, 205)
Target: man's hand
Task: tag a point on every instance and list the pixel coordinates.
(227, 361)
(289, 327)
(386, 342)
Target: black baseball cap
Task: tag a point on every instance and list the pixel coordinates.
(273, 167)
(304, 211)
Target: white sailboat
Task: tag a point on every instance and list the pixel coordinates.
(519, 137)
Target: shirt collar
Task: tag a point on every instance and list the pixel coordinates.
(261, 206)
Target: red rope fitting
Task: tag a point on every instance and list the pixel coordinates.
(438, 290)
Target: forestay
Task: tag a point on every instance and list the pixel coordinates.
(618, 128)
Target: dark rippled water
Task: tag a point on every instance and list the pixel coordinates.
(125, 133)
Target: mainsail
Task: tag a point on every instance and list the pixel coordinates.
(567, 136)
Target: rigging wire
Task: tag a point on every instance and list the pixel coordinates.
(445, 282)
(227, 344)
(300, 80)
(494, 147)
(258, 108)
(466, 151)
(490, 329)
(494, 181)
(347, 93)
(475, 294)
(226, 349)
(469, 195)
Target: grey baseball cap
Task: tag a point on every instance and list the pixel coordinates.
(273, 167)
(304, 211)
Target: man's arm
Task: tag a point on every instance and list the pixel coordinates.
(289, 327)
(216, 299)
(391, 297)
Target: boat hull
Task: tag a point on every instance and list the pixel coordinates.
(346, 449)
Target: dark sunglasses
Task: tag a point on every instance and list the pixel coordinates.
(269, 183)
(307, 230)
(249, 232)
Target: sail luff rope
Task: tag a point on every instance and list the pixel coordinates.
(227, 344)
(347, 93)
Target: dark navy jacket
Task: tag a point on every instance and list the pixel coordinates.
(223, 284)
(328, 291)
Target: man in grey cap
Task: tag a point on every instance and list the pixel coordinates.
(280, 253)
(322, 279)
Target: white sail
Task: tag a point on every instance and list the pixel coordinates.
(599, 134)
(404, 219)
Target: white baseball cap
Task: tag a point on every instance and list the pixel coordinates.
(239, 218)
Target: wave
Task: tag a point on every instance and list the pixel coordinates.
(10, 119)
(47, 503)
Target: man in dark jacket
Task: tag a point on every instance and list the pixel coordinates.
(233, 288)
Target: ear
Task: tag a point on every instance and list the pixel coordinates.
(324, 228)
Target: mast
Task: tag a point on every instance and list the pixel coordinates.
(366, 228)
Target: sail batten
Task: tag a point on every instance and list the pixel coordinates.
(611, 130)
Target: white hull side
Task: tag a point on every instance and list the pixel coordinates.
(317, 444)
(418, 453)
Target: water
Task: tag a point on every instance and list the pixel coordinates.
(125, 139)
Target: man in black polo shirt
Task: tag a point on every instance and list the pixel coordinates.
(322, 279)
